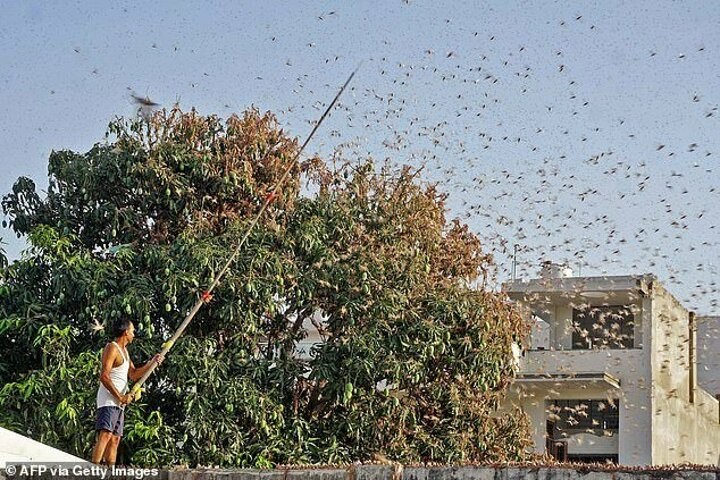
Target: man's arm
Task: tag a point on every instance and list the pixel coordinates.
(107, 362)
(136, 373)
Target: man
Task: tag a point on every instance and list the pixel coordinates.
(112, 395)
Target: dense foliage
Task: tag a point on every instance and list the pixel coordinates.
(415, 353)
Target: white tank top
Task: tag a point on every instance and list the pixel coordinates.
(119, 378)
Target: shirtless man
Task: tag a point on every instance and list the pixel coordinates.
(112, 395)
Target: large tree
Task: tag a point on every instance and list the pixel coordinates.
(416, 350)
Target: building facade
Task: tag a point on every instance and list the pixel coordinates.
(610, 372)
(708, 343)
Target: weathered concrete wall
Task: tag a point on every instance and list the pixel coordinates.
(390, 472)
(399, 472)
(686, 422)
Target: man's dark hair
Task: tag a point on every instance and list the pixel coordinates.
(120, 326)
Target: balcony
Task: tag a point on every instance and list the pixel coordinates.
(580, 380)
(576, 361)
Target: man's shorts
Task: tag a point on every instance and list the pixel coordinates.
(111, 419)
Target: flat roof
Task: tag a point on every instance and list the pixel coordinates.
(576, 285)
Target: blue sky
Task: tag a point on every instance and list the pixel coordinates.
(585, 132)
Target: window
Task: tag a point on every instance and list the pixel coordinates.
(593, 458)
(603, 327)
(540, 333)
(598, 415)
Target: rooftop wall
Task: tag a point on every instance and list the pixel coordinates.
(686, 422)
(399, 472)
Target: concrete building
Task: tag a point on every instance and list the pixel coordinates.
(610, 372)
(708, 342)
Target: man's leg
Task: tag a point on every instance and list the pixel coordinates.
(101, 444)
(111, 450)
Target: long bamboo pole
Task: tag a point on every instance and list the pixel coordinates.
(207, 295)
